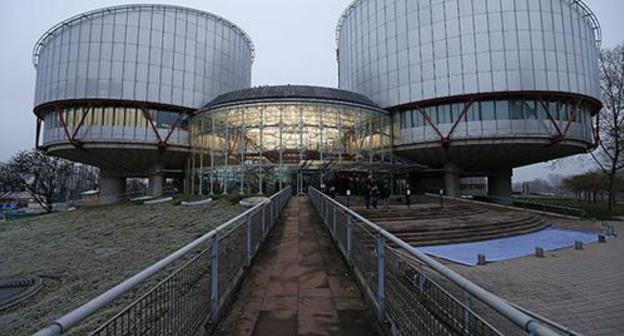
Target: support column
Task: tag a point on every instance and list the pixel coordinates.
(499, 185)
(451, 180)
(156, 181)
(111, 189)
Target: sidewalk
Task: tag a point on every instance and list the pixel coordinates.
(299, 285)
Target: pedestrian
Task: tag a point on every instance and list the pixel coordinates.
(374, 195)
(366, 192)
(385, 195)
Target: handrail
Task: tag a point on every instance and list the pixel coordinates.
(71, 319)
(521, 319)
(539, 206)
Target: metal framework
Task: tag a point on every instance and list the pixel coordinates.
(264, 140)
(412, 293)
(191, 296)
(91, 104)
(88, 15)
(542, 97)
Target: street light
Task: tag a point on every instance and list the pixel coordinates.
(348, 198)
(441, 198)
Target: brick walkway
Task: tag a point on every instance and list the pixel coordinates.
(583, 290)
(299, 285)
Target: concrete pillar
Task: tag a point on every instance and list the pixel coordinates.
(499, 184)
(111, 189)
(451, 181)
(156, 181)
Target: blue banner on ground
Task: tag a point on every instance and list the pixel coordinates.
(507, 248)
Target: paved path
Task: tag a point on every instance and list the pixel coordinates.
(583, 290)
(299, 285)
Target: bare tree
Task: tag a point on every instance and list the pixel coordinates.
(610, 154)
(45, 178)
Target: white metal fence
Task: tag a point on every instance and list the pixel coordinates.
(191, 297)
(412, 293)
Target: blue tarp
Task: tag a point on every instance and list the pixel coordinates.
(508, 248)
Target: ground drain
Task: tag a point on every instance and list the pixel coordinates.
(13, 291)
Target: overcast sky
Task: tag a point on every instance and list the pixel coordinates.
(294, 39)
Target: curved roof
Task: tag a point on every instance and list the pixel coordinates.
(290, 92)
(593, 20)
(88, 15)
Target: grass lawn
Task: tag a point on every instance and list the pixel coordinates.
(81, 254)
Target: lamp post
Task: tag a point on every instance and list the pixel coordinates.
(408, 196)
(348, 198)
(441, 198)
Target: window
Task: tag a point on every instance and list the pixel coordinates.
(119, 116)
(108, 116)
(417, 119)
(433, 114)
(444, 114)
(515, 107)
(530, 110)
(473, 113)
(166, 119)
(488, 110)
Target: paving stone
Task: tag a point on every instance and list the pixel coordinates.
(581, 290)
(302, 288)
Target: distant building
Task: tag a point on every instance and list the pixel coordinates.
(18, 199)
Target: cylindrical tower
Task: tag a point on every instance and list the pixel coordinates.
(477, 88)
(116, 86)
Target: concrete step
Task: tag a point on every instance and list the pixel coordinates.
(474, 233)
(467, 225)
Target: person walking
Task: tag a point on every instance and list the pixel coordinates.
(366, 192)
(374, 195)
(385, 195)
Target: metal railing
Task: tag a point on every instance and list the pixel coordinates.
(412, 293)
(542, 206)
(192, 295)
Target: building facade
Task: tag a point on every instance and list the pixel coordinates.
(477, 88)
(437, 90)
(116, 87)
(266, 135)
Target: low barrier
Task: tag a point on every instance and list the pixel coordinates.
(192, 295)
(541, 206)
(412, 293)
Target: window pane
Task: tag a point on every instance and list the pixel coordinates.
(488, 111)
(530, 110)
(517, 112)
(502, 110)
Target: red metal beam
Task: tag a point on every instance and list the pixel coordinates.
(82, 119)
(498, 95)
(467, 106)
(550, 117)
(426, 117)
(150, 120)
(571, 118)
(165, 143)
(61, 114)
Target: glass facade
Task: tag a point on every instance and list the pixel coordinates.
(113, 123)
(282, 133)
(512, 117)
(402, 51)
(151, 53)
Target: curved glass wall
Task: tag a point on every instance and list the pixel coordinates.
(234, 141)
(402, 51)
(108, 123)
(156, 53)
(513, 117)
